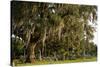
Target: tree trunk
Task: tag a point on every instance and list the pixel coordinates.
(28, 45)
(43, 42)
(40, 57)
(32, 52)
(63, 57)
(61, 25)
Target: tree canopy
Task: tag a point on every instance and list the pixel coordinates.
(60, 31)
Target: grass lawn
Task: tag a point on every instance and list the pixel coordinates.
(58, 62)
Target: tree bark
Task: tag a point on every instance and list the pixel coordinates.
(40, 57)
(28, 45)
(32, 52)
(43, 42)
(61, 25)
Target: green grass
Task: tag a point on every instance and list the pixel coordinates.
(58, 62)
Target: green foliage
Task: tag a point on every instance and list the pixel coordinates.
(59, 31)
(17, 47)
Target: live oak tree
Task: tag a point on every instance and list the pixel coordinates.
(59, 31)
